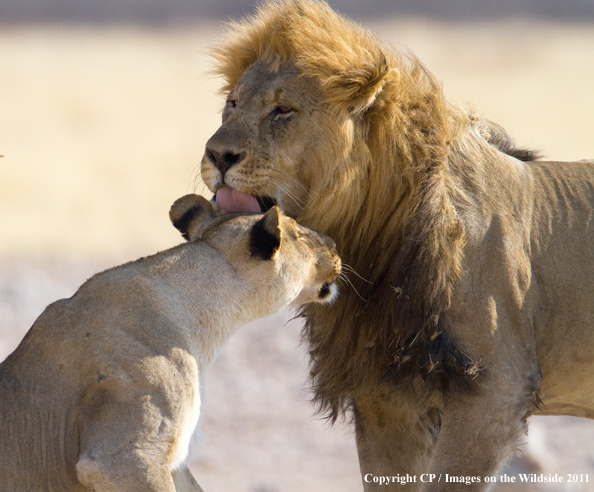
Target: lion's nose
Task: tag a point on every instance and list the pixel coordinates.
(224, 159)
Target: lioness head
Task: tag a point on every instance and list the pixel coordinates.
(269, 252)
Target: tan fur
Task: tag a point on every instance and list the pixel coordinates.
(473, 297)
(105, 391)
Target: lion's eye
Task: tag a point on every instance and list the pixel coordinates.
(281, 111)
(230, 105)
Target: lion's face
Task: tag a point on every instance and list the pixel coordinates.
(270, 138)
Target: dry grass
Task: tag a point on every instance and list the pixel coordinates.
(102, 128)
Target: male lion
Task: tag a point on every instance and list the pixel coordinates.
(474, 307)
(105, 390)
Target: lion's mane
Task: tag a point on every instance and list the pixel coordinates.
(404, 236)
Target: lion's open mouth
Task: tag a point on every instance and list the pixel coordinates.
(231, 200)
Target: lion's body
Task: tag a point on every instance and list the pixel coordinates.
(105, 390)
(475, 306)
(557, 265)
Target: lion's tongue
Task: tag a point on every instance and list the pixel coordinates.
(231, 200)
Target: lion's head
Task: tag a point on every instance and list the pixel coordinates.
(356, 140)
(298, 110)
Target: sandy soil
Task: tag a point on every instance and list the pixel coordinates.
(101, 128)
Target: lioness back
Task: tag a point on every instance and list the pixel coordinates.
(105, 390)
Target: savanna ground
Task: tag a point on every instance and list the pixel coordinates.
(103, 127)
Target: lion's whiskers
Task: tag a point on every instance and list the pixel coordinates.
(285, 189)
(298, 201)
(196, 181)
(296, 181)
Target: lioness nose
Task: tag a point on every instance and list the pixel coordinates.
(225, 159)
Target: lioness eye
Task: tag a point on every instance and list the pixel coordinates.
(324, 291)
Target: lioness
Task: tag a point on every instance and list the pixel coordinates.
(476, 304)
(104, 391)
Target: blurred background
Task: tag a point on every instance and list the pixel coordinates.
(105, 108)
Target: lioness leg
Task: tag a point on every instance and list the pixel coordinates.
(116, 475)
(184, 481)
(126, 440)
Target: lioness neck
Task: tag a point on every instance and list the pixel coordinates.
(191, 287)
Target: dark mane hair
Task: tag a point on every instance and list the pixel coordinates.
(411, 155)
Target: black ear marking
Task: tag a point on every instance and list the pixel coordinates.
(182, 224)
(186, 210)
(265, 237)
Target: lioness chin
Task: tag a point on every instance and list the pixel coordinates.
(474, 304)
(104, 392)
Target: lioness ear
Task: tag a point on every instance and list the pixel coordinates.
(189, 212)
(265, 237)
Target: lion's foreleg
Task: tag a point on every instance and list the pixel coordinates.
(394, 442)
(479, 435)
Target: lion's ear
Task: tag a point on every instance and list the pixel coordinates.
(265, 236)
(189, 213)
(356, 88)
